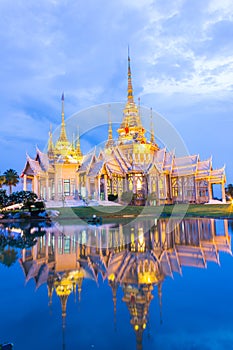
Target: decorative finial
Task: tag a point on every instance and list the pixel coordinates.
(63, 136)
(130, 87)
(50, 143)
(78, 146)
(110, 141)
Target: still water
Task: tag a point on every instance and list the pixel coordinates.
(149, 284)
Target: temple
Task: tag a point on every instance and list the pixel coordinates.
(137, 258)
(133, 164)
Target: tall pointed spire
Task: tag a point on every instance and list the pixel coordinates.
(110, 141)
(78, 147)
(50, 143)
(130, 86)
(63, 136)
(131, 128)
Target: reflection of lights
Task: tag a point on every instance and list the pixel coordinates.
(144, 325)
(64, 288)
(111, 277)
(136, 327)
(17, 230)
(140, 235)
(141, 239)
(147, 278)
(84, 236)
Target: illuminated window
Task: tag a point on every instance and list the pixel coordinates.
(66, 187)
(139, 184)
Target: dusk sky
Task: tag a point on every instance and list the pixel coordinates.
(181, 60)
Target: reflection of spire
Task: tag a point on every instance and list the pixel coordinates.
(139, 335)
(63, 136)
(76, 277)
(138, 301)
(114, 285)
(80, 281)
(50, 286)
(160, 301)
(63, 289)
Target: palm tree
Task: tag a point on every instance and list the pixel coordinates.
(11, 178)
(2, 180)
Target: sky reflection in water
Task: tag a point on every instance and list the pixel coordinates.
(164, 296)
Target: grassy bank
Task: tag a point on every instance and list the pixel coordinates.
(193, 210)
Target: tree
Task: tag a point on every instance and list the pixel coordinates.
(3, 198)
(2, 180)
(229, 191)
(11, 179)
(8, 257)
(22, 197)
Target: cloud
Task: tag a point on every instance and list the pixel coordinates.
(181, 53)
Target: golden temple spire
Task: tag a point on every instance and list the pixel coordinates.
(78, 147)
(110, 141)
(63, 136)
(50, 143)
(152, 134)
(131, 128)
(130, 86)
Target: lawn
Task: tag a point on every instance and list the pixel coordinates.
(116, 212)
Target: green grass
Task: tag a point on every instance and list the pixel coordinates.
(192, 210)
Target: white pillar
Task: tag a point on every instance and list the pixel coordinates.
(105, 187)
(210, 191)
(87, 186)
(223, 193)
(98, 187)
(25, 182)
(35, 186)
(55, 186)
(47, 187)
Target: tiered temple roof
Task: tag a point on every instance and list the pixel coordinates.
(132, 157)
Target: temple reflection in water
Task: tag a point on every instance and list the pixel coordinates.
(136, 257)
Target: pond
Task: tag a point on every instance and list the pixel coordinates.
(147, 284)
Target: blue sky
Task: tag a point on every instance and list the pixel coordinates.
(181, 59)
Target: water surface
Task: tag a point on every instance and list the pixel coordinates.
(150, 284)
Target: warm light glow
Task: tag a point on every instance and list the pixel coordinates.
(64, 288)
(136, 327)
(139, 184)
(141, 240)
(147, 278)
(111, 277)
(144, 326)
